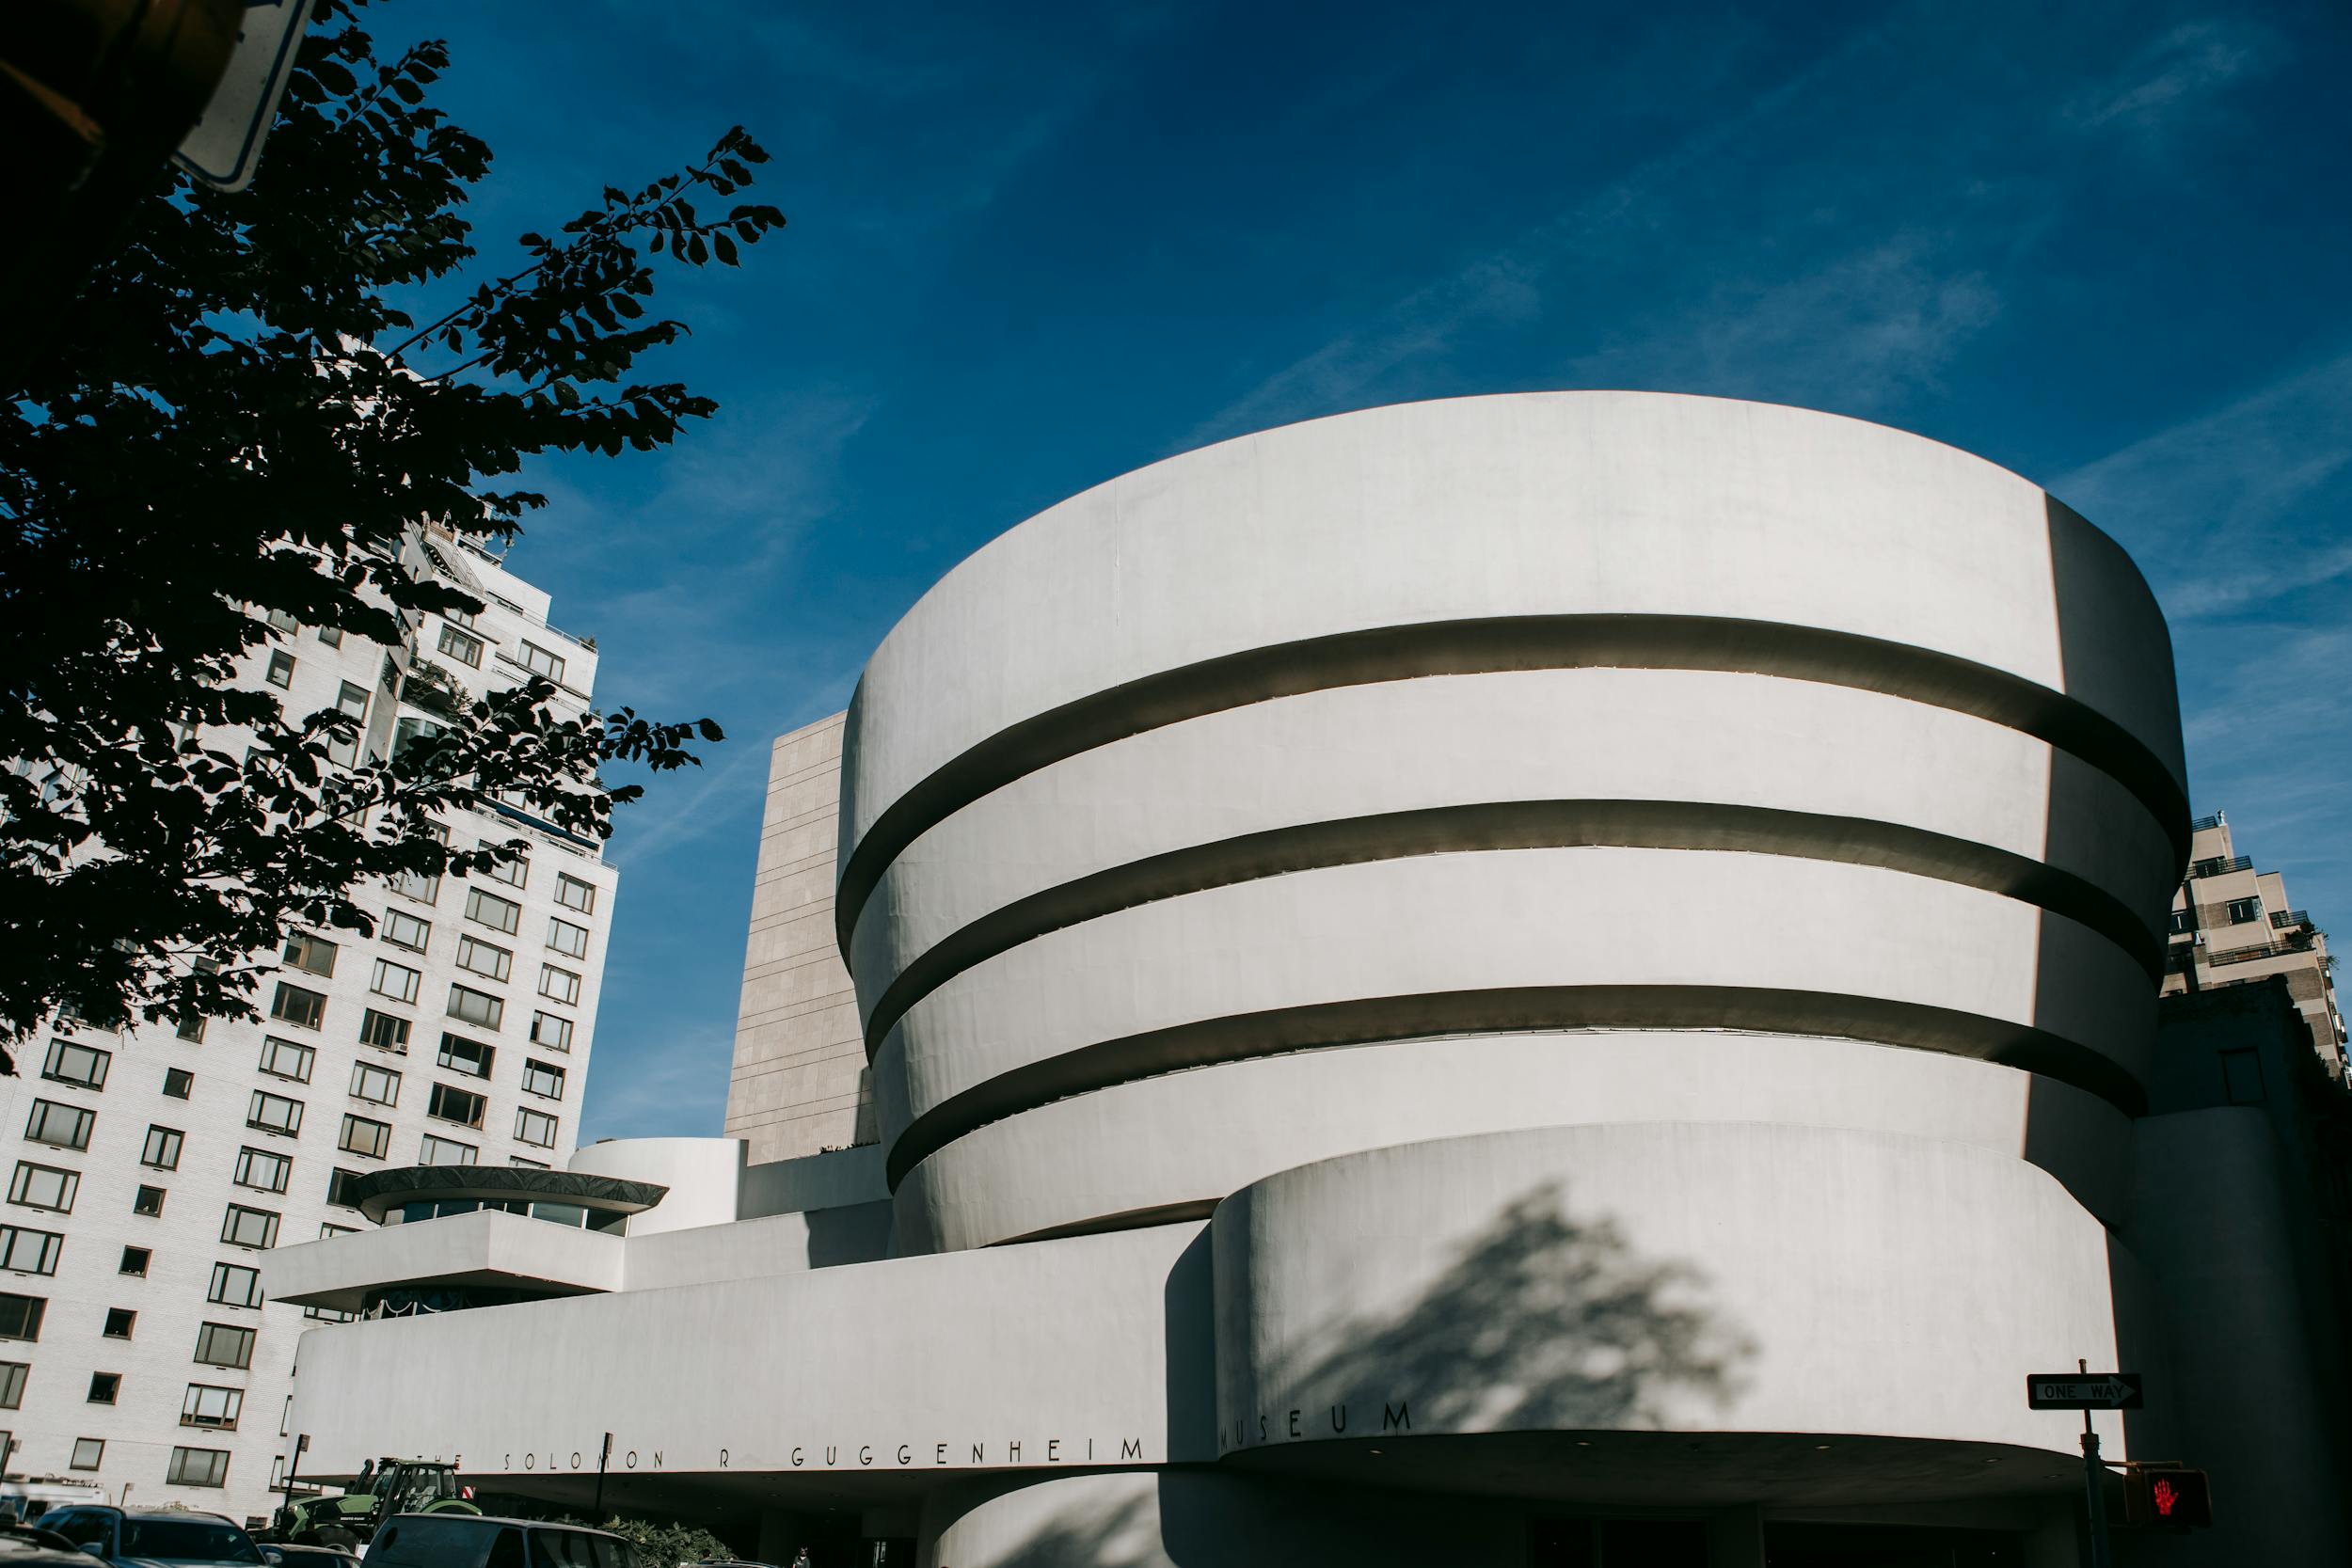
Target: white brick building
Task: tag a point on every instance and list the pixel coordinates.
(148, 1170)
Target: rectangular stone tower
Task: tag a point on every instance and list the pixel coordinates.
(799, 1083)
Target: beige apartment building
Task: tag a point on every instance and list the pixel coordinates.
(2231, 924)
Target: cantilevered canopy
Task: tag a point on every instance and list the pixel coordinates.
(380, 1192)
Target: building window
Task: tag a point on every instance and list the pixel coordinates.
(488, 909)
(541, 662)
(528, 1165)
(476, 1007)
(460, 1055)
(379, 1086)
(573, 894)
(292, 1004)
(423, 887)
(178, 1082)
(543, 1078)
(362, 1136)
(281, 621)
(444, 1152)
(162, 1148)
(190, 1029)
(330, 1228)
(550, 1031)
(566, 938)
(60, 1125)
(44, 1187)
(234, 1285)
(450, 1103)
(339, 1188)
(27, 1251)
(403, 929)
(559, 985)
(281, 669)
(12, 1375)
(208, 1406)
(105, 1387)
(120, 1321)
(2183, 921)
(197, 1468)
(224, 1345)
(134, 1259)
(273, 1112)
(331, 636)
(249, 1228)
(69, 1062)
(2243, 910)
(384, 1031)
(535, 1127)
(462, 646)
(352, 699)
(513, 873)
(263, 1171)
(397, 981)
(286, 1059)
(309, 954)
(483, 959)
(88, 1454)
(147, 1201)
(20, 1316)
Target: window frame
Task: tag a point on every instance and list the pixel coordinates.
(383, 1139)
(254, 1107)
(442, 1092)
(526, 1118)
(306, 1059)
(80, 1121)
(233, 1230)
(69, 1186)
(101, 1063)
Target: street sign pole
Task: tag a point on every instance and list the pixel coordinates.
(2102, 1550)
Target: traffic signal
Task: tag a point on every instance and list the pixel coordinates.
(2176, 1499)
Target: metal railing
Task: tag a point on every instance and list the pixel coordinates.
(2217, 866)
(2290, 917)
(2203, 823)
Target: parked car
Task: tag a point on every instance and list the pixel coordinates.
(30, 1546)
(482, 1541)
(179, 1536)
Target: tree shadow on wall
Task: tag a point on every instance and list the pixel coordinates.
(1542, 1322)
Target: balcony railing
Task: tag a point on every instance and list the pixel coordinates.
(2205, 822)
(2217, 866)
(2284, 918)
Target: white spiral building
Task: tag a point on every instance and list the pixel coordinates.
(1504, 978)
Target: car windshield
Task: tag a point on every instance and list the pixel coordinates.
(187, 1540)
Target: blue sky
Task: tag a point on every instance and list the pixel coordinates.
(1033, 246)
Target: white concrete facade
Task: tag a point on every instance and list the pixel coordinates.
(361, 1106)
(1432, 978)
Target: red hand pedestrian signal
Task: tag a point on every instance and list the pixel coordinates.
(2180, 1499)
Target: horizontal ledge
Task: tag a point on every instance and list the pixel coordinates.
(1506, 825)
(1498, 643)
(1522, 1009)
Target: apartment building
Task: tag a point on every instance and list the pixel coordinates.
(149, 1170)
(2231, 923)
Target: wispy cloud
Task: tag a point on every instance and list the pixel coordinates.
(1856, 331)
(2176, 73)
(1506, 285)
(2222, 507)
(672, 1087)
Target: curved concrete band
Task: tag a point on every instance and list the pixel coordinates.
(1562, 716)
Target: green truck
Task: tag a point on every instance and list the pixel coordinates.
(383, 1488)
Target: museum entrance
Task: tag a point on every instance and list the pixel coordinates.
(1682, 1544)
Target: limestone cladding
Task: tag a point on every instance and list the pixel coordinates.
(799, 1084)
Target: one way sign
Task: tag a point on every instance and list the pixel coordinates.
(2083, 1391)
